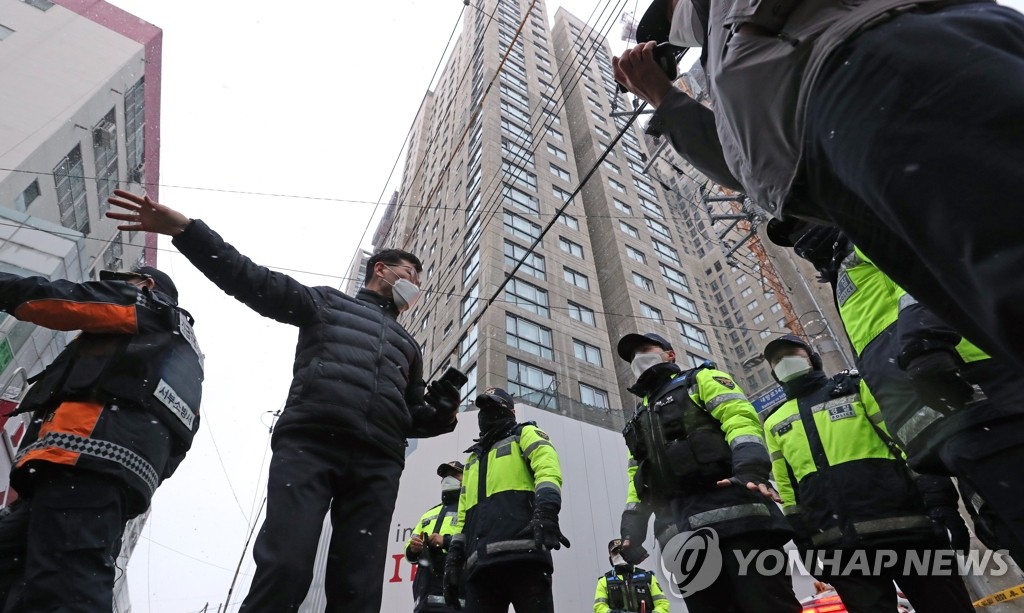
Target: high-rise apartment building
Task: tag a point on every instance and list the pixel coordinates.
(79, 116)
(497, 148)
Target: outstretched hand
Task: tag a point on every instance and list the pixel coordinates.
(145, 214)
(765, 489)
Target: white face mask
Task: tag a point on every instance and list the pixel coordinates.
(618, 561)
(686, 30)
(791, 367)
(405, 293)
(450, 484)
(642, 361)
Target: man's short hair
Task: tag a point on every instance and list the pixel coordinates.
(390, 257)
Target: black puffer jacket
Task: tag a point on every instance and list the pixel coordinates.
(356, 369)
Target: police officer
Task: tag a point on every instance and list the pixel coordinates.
(846, 488)
(429, 545)
(112, 417)
(701, 462)
(508, 515)
(626, 588)
(952, 408)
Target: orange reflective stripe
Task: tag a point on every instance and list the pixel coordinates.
(73, 417)
(102, 317)
(49, 454)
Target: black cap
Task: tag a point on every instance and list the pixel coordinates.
(628, 344)
(450, 469)
(655, 24)
(789, 339)
(161, 280)
(495, 397)
(614, 545)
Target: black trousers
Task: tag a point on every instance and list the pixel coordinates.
(58, 548)
(749, 592)
(927, 594)
(309, 474)
(524, 585)
(914, 142)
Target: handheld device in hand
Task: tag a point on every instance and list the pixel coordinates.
(666, 55)
(455, 377)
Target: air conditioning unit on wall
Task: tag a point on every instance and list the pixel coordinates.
(105, 133)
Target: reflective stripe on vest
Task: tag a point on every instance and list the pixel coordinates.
(873, 526)
(104, 450)
(918, 422)
(502, 547)
(715, 516)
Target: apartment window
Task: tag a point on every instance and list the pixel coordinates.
(683, 305)
(27, 196)
(622, 206)
(469, 389)
(514, 151)
(560, 193)
(527, 380)
(555, 151)
(527, 296)
(69, 178)
(533, 264)
(514, 112)
(597, 116)
(741, 279)
(112, 257)
(555, 134)
(629, 230)
(559, 172)
(528, 336)
(644, 187)
(694, 336)
(468, 344)
(695, 360)
(576, 278)
(781, 323)
(104, 149)
(765, 333)
(650, 312)
(473, 234)
(521, 199)
(746, 292)
(471, 266)
(602, 132)
(569, 221)
(619, 187)
(521, 227)
(570, 247)
(514, 94)
(652, 208)
(641, 281)
(469, 302)
(776, 307)
(586, 352)
(636, 255)
(134, 130)
(591, 396)
(656, 227)
(580, 313)
(665, 251)
(674, 277)
(758, 318)
(612, 167)
(752, 305)
(516, 130)
(42, 5)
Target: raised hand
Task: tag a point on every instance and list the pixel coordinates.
(145, 214)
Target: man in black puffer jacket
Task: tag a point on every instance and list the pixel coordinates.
(356, 395)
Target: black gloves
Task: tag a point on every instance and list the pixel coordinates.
(443, 396)
(544, 529)
(634, 553)
(950, 524)
(453, 572)
(936, 378)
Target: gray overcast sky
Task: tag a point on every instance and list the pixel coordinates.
(302, 99)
